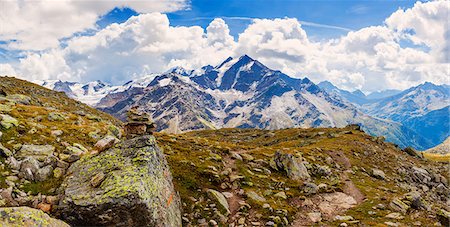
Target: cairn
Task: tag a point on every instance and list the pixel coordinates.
(138, 124)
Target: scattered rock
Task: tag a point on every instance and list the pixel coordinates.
(292, 165)
(395, 215)
(227, 194)
(280, 195)
(5, 152)
(13, 163)
(56, 133)
(19, 98)
(315, 216)
(337, 201)
(378, 174)
(55, 116)
(7, 121)
(28, 168)
(247, 157)
(44, 173)
(39, 152)
(26, 216)
(343, 218)
(44, 207)
(220, 201)
(310, 188)
(255, 197)
(105, 143)
(399, 205)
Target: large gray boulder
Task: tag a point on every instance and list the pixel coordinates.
(127, 185)
(39, 152)
(26, 216)
(292, 165)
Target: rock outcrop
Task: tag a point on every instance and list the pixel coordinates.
(127, 185)
(26, 216)
(293, 166)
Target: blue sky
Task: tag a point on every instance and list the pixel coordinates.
(348, 15)
(367, 45)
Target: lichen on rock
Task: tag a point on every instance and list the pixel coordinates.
(136, 180)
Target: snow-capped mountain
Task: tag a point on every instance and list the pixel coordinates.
(424, 109)
(92, 92)
(414, 102)
(356, 97)
(243, 93)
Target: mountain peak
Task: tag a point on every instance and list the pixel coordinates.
(245, 58)
(326, 85)
(224, 62)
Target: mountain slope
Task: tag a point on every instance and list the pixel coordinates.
(356, 97)
(243, 93)
(258, 172)
(411, 103)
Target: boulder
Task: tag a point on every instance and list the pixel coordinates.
(7, 121)
(39, 152)
(5, 152)
(26, 216)
(420, 175)
(220, 201)
(310, 188)
(137, 190)
(255, 197)
(28, 168)
(105, 143)
(281, 195)
(19, 98)
(44, 173)
(290, 164)
(378, 174)
(13, 163)
(55, 116)
(56, 133)
(399, 205)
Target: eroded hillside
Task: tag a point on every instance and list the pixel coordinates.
(303, 177)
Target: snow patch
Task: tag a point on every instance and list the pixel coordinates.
(164, 82)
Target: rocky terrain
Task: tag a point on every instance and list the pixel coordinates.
(64, 162)
(304, 177)
(63, 158)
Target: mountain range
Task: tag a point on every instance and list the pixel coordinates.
(244, 93)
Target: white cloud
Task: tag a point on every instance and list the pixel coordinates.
(7, 69)
(372, 58)
(38, 25)
(143, 44)
(427, 24)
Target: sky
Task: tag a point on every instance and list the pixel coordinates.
(368, 45)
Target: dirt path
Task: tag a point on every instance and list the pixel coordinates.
(321, 203)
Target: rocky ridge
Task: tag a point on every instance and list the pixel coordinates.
(54, 156)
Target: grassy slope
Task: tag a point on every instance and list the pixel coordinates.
(35, 127)
(189, 155)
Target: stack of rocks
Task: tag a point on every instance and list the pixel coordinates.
(138, 123)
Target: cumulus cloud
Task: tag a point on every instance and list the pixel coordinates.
(38, 25)
(143, 44)
(425, 24)
(372, 58)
